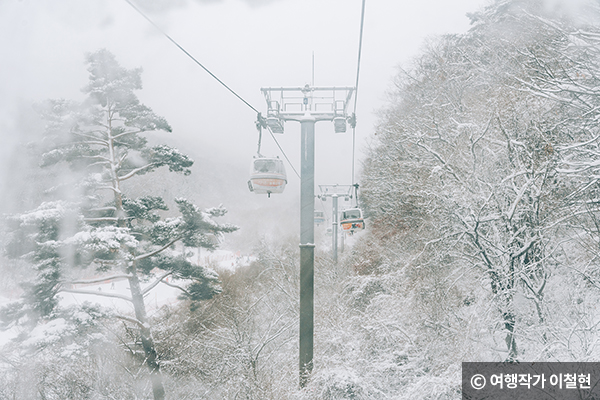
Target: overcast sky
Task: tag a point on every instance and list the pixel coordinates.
(248, 44)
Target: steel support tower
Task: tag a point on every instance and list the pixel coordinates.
(307, 105)
(335, 192)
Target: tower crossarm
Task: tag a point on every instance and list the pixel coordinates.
(298, 103)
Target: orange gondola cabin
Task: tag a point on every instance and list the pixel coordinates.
(352, 220)
(267, 176)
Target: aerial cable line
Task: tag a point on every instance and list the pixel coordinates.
(190, 56)
(260, 123)
(362, 22)
(213, 75)
(283, 152)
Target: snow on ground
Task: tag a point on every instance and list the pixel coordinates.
(7, 335)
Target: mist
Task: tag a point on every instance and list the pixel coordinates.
(247, 44)
(139, 263)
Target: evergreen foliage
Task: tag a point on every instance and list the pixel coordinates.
(100, 228)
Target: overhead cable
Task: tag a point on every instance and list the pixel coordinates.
(213, 75)
(283, 152)
(189, 55)
(362, 21)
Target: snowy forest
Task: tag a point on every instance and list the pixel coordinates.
(481, 191)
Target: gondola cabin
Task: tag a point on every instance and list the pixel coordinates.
(319, 217)
(352, 220)
(267, 176)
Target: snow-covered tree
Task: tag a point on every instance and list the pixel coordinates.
(465, 163)
(566, 73)
(97, 225)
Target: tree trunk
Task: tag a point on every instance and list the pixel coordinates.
(511, 342)
(137, 297)
(158, 389)
(114, 164)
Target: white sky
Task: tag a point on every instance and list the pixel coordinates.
(42, 47)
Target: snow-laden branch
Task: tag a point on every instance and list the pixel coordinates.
(177, 287)
(126, 133)
(135, 171)
(111, 219)
(155, 252)
(122, 158)
(479, 248)
(97, 280)
(552, 94)
(95, 139)
(514, 175)
(156, 282)
(536, 291)
(513, 207)
(566, 218)
(109, 208)
(132, 320)
(440, 159)
(97, 293)
(525, 248)
(580, 166)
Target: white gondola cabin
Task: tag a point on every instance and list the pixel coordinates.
(319, 217)
(352, 220)
(267, 176)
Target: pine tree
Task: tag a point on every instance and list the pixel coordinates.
(97, 225)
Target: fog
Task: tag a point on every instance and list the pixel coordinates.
(248, 45)
(121, 278)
